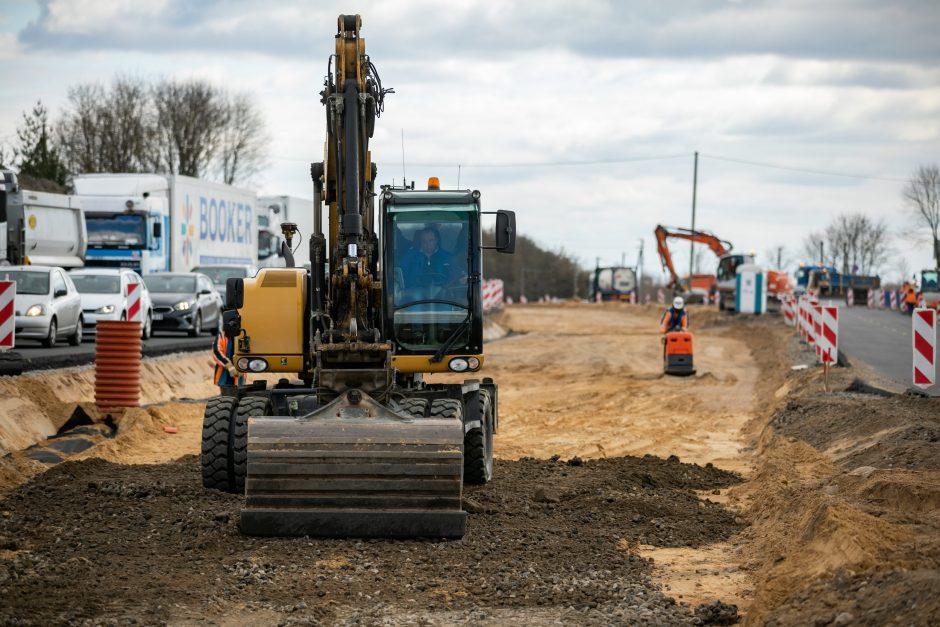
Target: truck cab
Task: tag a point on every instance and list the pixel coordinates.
(128, 221)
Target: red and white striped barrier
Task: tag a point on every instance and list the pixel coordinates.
(7, 321)
(924, 322)
(850, 298)
(894, 300)
(646, 299)
(817, 329)
(789, 312)
(633, 298)
(660, 296)
(829, 334)
(134, 313)
(523, 300)
(492, 294)
(871, 298)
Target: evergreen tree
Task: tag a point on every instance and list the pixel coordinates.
(37, 154)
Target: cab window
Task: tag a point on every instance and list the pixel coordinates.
(430, 259)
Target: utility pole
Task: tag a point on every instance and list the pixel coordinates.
(822, 258)
(639, 266)
(623, 259)
(779, 257)
(692, 243)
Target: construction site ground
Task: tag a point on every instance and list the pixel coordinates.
(622, 496)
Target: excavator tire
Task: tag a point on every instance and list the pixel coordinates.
(248, 407)
(416, 407)
(478, 445)
(356, 468)
(216, 424)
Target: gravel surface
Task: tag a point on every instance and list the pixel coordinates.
(549, 542)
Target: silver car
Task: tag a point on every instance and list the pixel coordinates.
(47, 305)
(104, 296)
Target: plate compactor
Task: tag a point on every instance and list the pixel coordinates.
(677, 353)
(351, 440)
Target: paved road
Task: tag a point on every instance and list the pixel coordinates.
(62, 355)
(880, 339)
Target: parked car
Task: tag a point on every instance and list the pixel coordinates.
(184, 302)
(219, 273)
(104, 296)
(47, 305)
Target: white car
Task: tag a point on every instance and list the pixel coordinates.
(104, 296)
(47, 305)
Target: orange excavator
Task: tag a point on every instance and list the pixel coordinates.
(699, 286)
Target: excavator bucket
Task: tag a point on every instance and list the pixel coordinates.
(354, 468)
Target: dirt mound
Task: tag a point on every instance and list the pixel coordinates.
(146, 542)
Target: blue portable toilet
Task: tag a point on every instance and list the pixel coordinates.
(750, 289)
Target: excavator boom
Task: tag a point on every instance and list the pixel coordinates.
(718, 246)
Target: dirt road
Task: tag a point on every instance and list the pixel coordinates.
(621, 497)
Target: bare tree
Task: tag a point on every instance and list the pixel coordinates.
(105, 130)
(779, 256)
(852, 243)
(191, 116)
(243, 142)
(922, 195)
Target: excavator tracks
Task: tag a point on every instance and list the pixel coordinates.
(357, 469)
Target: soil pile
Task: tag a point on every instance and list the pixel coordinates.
(547, 539)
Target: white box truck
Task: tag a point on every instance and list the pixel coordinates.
(40, 228)
(272, 211)
(155, 222)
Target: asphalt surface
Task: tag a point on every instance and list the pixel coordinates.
(36, 357)
(881, 339)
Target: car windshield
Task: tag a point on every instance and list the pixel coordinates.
(220, 275)
(27, 281)
(123, 229)
(97, 283)
(170, 284)
(430, 255)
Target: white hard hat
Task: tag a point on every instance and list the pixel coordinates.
(678, 303)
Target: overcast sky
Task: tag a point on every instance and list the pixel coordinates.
(581, 116)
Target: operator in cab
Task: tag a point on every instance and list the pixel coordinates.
(427, 264)
(676, 317)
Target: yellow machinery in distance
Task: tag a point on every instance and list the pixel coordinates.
(358, 444)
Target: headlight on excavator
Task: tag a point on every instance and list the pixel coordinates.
(458, 364)
(257, 365)
(473, 363)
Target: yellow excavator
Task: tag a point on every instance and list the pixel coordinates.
(356, 443)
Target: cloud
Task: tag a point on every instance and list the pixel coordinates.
(839, 29)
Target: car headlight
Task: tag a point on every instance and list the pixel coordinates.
(106, 309)
(182, 306)
(35, 310)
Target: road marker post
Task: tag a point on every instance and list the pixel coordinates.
(828, 340)
(850, 297)
(7, 320)
(661, 296)
(134, 313)
(871, 298)
(924, 332)
(894, 300)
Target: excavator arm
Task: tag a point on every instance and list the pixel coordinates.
(715, 244)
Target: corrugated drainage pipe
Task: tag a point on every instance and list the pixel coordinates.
(117, 364)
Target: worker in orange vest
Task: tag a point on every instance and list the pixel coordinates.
(910, 297)
(227, 377)
(676, 318)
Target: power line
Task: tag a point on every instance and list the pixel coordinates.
(805, 170)
(541, 164)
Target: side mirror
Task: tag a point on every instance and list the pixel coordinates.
(60, 293)
(231, 323)
(234, 293)
(205, 292)
(157, 230)
(506, 231)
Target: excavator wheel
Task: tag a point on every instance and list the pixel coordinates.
(416, 407)
(248, 407)
(478, 445)
(216, 426)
